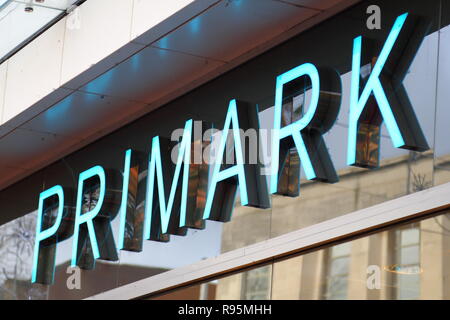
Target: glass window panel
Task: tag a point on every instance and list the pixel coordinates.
(21, 19)
(410, 236)
(442, 147)
(410, 256)
(341, 250)
(339, 266)
(256, 284)
(373, 267)
(17, 25)
(307, 276)
(337, 288)
(408, 286)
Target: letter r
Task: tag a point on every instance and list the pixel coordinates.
(81, 218)
(306, 133)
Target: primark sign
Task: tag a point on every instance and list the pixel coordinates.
(156, 195)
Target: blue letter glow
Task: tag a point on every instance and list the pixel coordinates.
(294, 129)
(374, 85)
(237, 169)
(155, 168)
(88, 216)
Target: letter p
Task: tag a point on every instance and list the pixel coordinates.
(45, 243)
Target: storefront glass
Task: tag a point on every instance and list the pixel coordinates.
(408, 261)
(402, 257)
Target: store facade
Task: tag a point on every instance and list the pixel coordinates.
(354, 207)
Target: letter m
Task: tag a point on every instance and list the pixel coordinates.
(159, 220)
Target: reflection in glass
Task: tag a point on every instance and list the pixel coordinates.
(337, 265)
(406, 266)
(405, 262)
(256, 284)
(16, 257)
(412, 262)
(21, 20)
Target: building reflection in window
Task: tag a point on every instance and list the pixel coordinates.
(406, 267)
(337, 271)
(256, 284)
(403, 262)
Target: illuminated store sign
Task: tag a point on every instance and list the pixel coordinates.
(176, 197)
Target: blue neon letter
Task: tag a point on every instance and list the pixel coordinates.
(374, 86)
(44, 234)
(237, 169)
(155, 171)
(294, 129)
(124, 202)
(87, 217)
